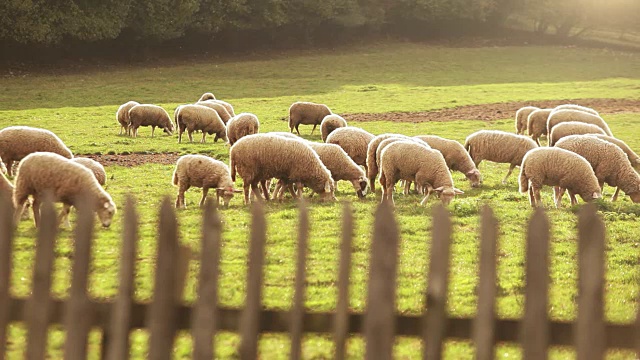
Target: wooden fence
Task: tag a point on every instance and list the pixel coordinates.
(166, 313)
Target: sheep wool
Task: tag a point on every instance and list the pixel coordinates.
(96, 168)
(330, 123)
(537, 124)
(456, 156)
(576, 107)
(42, 172)
(521, 118)
(561, 169)
(200, 118)
(372, 159)
(633, 157)
(219, 108)
(559, 116)
(354, 141)
(572, 128)
(16, 142)
(242, 125)
(202, 172)
(307, 113)
(341, 166)
(498, 146)
(122, 116)
(207, 96)
(226, 105)
(150, 115)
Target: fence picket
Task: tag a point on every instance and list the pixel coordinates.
(484, 323)
(297, 310)
(78, 316)
(116, 337)
(250, 321)
(341, 317)
(205, 316)
(379, 326)
(534, 331)
(6, 245)
(38, 307)
(435, 316)
(590, 335)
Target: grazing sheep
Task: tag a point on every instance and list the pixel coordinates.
(521, 118)
(307, 113)
(122, 115)
(176, 112)
(219, 108)
(372, 159)
(610, 164)
(203, 172)
(498, 146)
(633, 157)
(226, 105)
(456, 156)
(576, 107)
(341, 166)
(200, 118)
(354, 141)
(559, 116)
(150, 115)
(572, 128)
(412, 161)
(96, 168)
(537, 124)
(386, 142)
(207, 96)
(42, 172)
(330, 123)
(242, 125)
(16, 142)
(561, 169)
(259, 157)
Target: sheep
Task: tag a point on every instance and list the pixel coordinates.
(96, 168)
(200, 118)
(122, 116)
(307, 113)
(43, 172)
(150, 115)
(259, 157)
(576, 107)
(561, 169)
(242, 125)
(521, 118)
(226, 105)
(371, 161)
(456, 156)
(386, 142)
(207, 96)
(498, 146)
(354, 141)
(16, 142)
(341, 166)
(203, 172)
(633, 157)
(572, 128)
(219, 108)
(610, 164)
(330, 123)
(537, 124)
(412, 161)
(559, 116)
(176, 112)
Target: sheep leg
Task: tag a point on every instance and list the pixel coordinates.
(256, 192)
(121, 128)
(558, 193)
(536, 194)
(504, 181)
(205, 191)
(180, 136)
(246, 186)
(10, 170)
(574, 201)
(276, 191)
(19, 212)
(532, 200)
(204, 134)
(190, 133)
(298, 131)
(153, 129)
(36, 211)
(615, 194)
(299, 189)
(63, 217)
(372, 183)
(424, 201)
(292, 191)
(265, 191)
(314, 128)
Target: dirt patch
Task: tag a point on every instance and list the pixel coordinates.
(498, 111)
(130, 160)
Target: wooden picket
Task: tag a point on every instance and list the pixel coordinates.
(167, 313)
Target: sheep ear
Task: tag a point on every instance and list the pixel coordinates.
(458, 191)
(439, 190)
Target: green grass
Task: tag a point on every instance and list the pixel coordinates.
(80, 109)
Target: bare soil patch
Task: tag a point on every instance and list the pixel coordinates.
(130, 160)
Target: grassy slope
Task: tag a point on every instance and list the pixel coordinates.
(374, 79)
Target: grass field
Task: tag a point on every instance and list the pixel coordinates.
(80, 108)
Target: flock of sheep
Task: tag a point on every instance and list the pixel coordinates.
(581, 157)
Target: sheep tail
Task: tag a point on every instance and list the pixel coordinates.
(523, 182)
(175, 177)
(467, 146)
(232, 165)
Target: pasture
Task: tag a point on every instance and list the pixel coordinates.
(79, 106)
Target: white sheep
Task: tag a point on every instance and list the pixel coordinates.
(633, 157)
(559, 116)
(521, 118)
(150, 115)
(259, 157)
(96, 168)
(226, 105)
(218, 107)
(203, 172)
(561, 169)
(16, 142)
(537, 124)
(372, 159)
(386, 142)
(354, 141)
(242, 125)
(43, 172)
(200, 118)
(330, 123)
(412, 161)
(572, 128)
(576, 107)
(610, 164)
(341, 166)
(457, 158)
(207, 96)
(498, 146)
(122, 116)
(307, 113)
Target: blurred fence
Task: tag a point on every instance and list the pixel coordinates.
(590, 335)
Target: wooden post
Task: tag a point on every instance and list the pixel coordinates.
(379, 323)
(341, 318)
(250, 320)
(205, 317)
(297, 310)
(6, 245)
(435, 316)
(589, 328)
(484, 323)
(534, 330)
